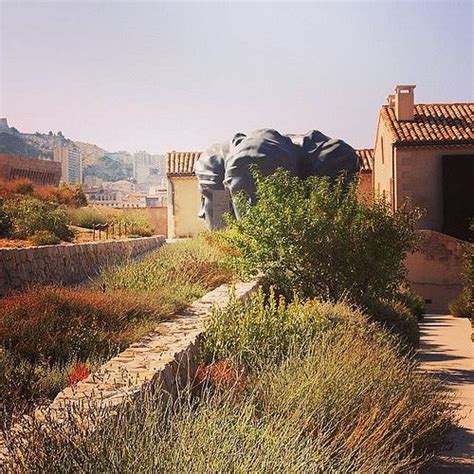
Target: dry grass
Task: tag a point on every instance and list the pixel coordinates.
(349, 402)
(45, 331)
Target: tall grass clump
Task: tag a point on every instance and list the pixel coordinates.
(132, 222)
(367, 408)
(55, 324)
(87, 217)
(347, 403)
(187, 269)
(267, 328)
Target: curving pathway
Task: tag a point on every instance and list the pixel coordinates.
(446, 351)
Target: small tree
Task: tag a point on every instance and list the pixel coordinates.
(315, 237)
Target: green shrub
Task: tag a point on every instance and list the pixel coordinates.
(44, 237)
(397, 318)
(412, 301)
(5, 222)
(254, 333)
(318, 238)
(29, 215)
(87, 217)
(461, 306)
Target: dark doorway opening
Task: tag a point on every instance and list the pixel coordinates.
(458, 195)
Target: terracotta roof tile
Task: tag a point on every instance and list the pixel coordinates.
(433, 124)
(181, 163)
(366, 156)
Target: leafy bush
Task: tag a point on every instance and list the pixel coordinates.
(5, 222)
(67, 195)
(9, 189)
(461, 306)
(317, 238)
(44, 237)
(412, 301)
(29, 215)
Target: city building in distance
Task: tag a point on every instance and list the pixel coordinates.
(39, 172)
(71, 166)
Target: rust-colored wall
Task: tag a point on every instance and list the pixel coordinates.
(364, 190)
(434, 271)
(38, 171)
(159, 219)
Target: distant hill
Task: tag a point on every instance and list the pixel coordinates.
(90, 153)
(41, 145)
(36, 145)
(108, 169)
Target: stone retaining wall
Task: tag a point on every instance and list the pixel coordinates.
(165, 358)
(164, 361)
(66, 263)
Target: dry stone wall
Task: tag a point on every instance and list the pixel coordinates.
(66, 263)
(163, 362)
(165, 359)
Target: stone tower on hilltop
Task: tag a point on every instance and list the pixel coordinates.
(4, 125)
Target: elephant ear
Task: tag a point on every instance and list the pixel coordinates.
(209, 168)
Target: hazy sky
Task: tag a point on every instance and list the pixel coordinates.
(174, 75)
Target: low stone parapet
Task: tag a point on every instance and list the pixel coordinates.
(435, 269)
(166, 358)
(67, 263)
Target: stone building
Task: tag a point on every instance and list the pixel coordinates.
(184, 199)
(71, 166)
(425, 152)
(39, 172)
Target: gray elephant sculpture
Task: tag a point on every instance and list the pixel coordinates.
(223, 170)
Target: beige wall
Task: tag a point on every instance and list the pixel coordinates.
(183, 207)
(420, 178)
(382, 166)
(434, 271)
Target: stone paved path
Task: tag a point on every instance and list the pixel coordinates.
(446, 351)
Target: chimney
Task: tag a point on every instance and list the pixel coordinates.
(404, 102)
(391, 100)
